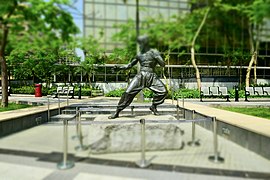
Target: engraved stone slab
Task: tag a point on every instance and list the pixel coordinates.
(126, 137)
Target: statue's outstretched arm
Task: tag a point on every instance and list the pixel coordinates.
(129, 65)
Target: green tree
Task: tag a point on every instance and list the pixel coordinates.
(256, 12)
(32, 20)
(93, 54)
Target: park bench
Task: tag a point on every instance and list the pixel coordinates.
(214, 92)
(9, 90)
(256, 91)
(66, 91)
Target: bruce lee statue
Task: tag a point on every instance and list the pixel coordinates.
(146, 78)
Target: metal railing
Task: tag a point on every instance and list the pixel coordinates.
(189, 114)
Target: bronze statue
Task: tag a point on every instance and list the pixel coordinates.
(146, 78)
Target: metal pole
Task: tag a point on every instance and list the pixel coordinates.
(142, 163)
(80, 147)
(177, 109)
(183, 102)
(193, 142)
(77, 125)
(132, 110)
(67, 96)
(215, 158)
(172, 96)
(65, 164)
(48, 108)
(59, 109)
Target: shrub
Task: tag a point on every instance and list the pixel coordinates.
(240, 92)
(23, 90)
(84, 91)
(115, 93)
(186, 93)
(180, 93)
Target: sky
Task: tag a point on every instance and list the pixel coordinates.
(77, 13)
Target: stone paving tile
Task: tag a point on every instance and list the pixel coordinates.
(14, 172)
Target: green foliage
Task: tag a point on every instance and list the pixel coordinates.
(94, 55)
(186, 93)
(37, 29)
(23, 90)
(14, 106)
(120, 56)
(263, 112)
(181, 93)
(115, 93)
(147, 93)
(84, 92)
(241, 93)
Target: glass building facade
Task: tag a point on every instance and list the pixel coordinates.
(104, 15)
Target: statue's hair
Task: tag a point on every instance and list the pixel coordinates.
(143, 39)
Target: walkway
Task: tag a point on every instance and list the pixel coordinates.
(34, 153)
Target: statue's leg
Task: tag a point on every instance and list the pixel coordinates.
(126, 99)
(160, 93)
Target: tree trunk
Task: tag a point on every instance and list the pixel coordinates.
(256, 49)
(4, 73)
(255, 69)
(253, 50)
(197, 72)
(254, 56)
(192, 49)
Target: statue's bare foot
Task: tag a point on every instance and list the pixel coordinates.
(154, 110)
(115, 115)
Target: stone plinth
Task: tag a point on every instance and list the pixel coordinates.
(126, 137)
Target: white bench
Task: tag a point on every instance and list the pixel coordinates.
(256, 91)
(66, 90)
(9, 91)
(214, 92)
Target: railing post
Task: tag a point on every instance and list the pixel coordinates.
(80, 147)
(67, 96)
(177, 109)
(215, 158)
(193, 142)
(59, 108)
(49, 116)
(132, 110)
(142, 162)
(65, 164)
(77, 136)
(172, 96)
(183, 102)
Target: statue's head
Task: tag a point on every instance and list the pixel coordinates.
(143, 39)
(143, 42)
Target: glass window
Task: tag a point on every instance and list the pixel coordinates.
(122, 12)
(153, 12)
(183, 5)
(110, 12)
(89, 10)
(89, 31)
(99, 11)
(99, 23)
(131, 12)
(109, 33)
(110, 23)
(163, 4)
(143, 2)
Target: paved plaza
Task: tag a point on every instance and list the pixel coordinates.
(35, 152)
